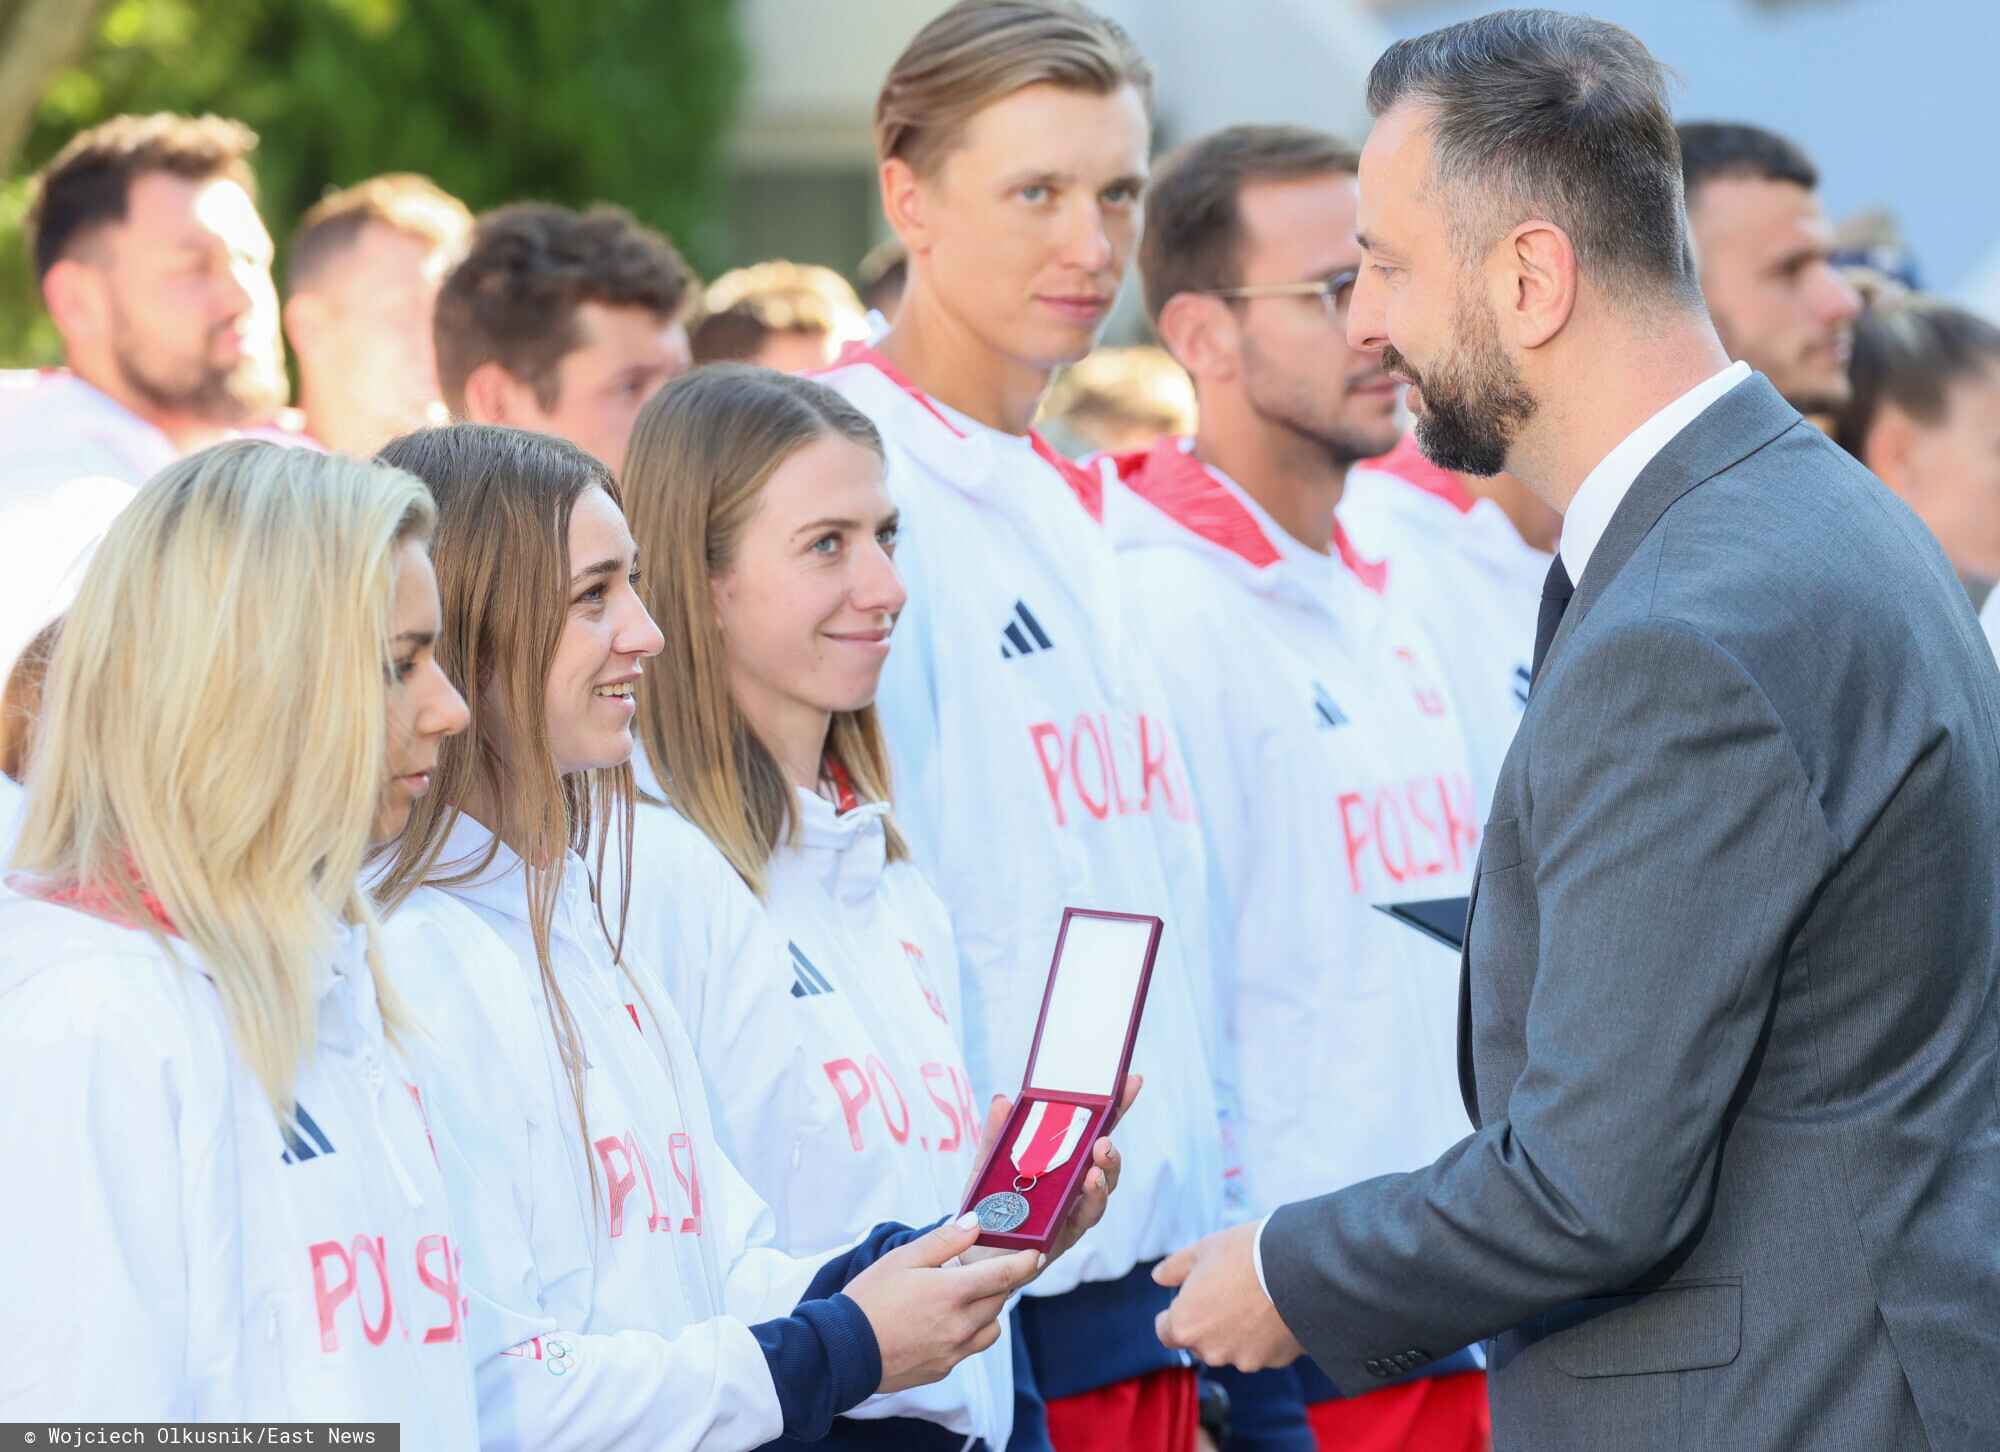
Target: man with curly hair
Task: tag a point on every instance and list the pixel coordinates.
(563, 322)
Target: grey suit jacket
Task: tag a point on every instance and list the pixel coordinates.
(1729, 1030)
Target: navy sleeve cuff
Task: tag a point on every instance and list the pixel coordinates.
(824, 1360)
(843, 1268)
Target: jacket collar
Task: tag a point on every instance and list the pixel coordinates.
(846, 852)
(1407, 462)
(1735, 426)
(1197, 497)
(937, 443)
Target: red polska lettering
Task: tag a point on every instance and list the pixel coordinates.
(945, 1085)
(1091, 768)
(341, 1276)
(626, 1165)
(1414, 831)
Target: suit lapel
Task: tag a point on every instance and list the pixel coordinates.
(1721, 436)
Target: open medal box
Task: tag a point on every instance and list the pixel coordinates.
(1075, 1077)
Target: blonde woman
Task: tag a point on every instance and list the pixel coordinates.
(222, 1201)
(623, 1292)
(1037, 763)
(828, 1028)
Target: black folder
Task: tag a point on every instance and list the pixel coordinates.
(1439, 918)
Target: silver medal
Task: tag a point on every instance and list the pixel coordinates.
(1002, 1211)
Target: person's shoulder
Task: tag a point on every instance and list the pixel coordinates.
(1796, 534)
(67, 975)
(672, 854)
(451, 967)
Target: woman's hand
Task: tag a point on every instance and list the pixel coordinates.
(929, 1313)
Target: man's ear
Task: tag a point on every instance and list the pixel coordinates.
(905, 205)
(1201, 334)
(305, 316)
(1537, 282)
(1888, 447)
(495, 396)
(75, 294)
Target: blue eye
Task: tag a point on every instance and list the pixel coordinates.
(1034, 192)
(887, 537)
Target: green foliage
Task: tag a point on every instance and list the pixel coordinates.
(571, 101)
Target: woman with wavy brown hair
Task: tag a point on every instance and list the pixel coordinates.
(623, 1293)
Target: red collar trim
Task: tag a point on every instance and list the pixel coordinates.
(845, 799)
(1180, 486)
(100, 904)
(1373, 574)
(1087, 487)
(863, 353)
(1084, 483)
(1407, 462)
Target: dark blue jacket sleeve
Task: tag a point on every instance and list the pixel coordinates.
(823, 1357)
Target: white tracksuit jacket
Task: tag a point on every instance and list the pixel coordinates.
(623, 1317)
(172, 1251)
(824, 1019)
(1332, 774)
(1037, 768)
(1459, 567)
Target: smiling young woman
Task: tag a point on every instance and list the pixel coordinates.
(823, 996)
(225, 1163)
(1036, 762)
(624, 1293)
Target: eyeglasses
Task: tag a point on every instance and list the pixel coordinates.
(1332, 292)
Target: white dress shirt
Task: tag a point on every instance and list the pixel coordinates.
(1605, 487)
(1589, 515)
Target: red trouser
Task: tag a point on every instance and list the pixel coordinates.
(1157, 1412)
(1435, 1414)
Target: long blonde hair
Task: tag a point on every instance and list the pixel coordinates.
(505, 497)
(212, 731)
(702, 451)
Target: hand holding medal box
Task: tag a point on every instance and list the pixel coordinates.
(1074, 1081)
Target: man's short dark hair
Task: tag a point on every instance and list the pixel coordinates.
(1716, 150)
(1561, 117)
(513, 300)
(89, 183)
(1193, 239)
(1910, 351)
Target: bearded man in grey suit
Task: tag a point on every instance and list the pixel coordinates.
(1729, 1033)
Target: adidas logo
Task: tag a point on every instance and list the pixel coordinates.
(304, 1140)
(1324, 708)
(1024, 634)
(809, 982)
(1522, 680)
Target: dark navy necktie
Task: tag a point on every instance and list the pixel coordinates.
(1556, 592)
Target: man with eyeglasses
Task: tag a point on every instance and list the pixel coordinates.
(1325, 751)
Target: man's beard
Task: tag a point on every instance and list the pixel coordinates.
(223, 396)
(1474, 408)
(1289, 407)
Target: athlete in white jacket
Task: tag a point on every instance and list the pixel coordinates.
(1037, 766)
(616, 1256)
(1458, 563)
(208, 1218)
(1328, 756)
(222, 1265)
(813, 964)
